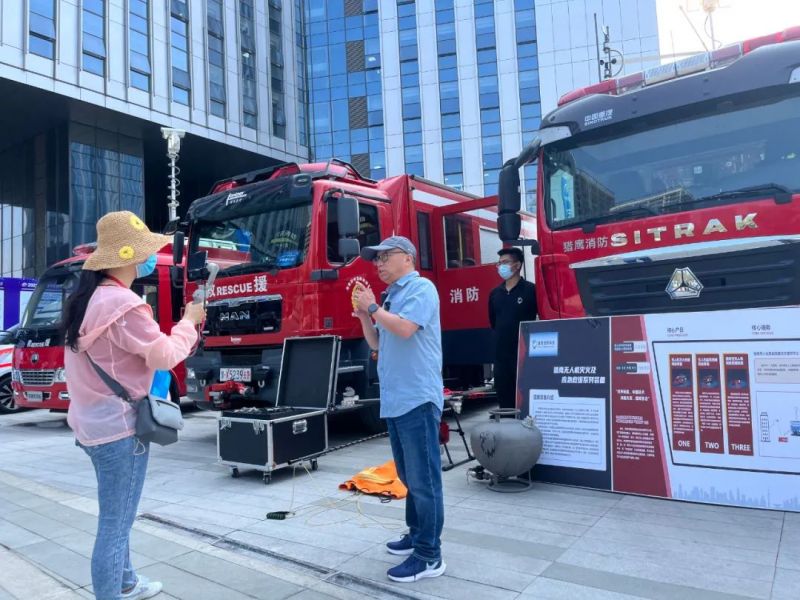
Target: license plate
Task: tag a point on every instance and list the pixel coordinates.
(34, 396)
(235, 374)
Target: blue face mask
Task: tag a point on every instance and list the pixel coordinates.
(147, 267)
(505, 271)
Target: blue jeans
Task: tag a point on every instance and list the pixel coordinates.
(415, 445)
(120, 468)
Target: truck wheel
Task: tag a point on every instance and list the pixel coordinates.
(235, 472)
(7, 403)
(371, 421)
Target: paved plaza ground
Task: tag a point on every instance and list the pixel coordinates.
(204, 534)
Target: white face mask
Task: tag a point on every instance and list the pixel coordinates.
(505, 271)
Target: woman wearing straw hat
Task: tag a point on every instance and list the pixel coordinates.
(105, 320)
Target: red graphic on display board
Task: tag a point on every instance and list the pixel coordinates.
(637, 453)
(709, 403)
(738, 406)
(681, 391)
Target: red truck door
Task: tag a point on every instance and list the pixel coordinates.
(464, 244)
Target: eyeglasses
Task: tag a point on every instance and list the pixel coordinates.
(382, 258)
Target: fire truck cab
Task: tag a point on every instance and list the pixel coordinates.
(672, 189)
(287, 240)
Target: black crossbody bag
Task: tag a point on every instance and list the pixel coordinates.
(157, 420)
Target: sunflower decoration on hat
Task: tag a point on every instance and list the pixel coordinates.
(123, 239)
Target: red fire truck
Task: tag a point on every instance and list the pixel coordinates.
(672, 189)
(38, 362)
(287, 241)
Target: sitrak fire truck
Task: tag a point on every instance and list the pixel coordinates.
(287, 242)
(670, 190)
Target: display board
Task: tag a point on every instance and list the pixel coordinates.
(693, 406)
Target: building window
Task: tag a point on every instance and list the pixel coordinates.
(94, 37)
(179, 39)
(276, 69)
(489, 99)
(300, 69)
(139, 43)
(409, 85)
(530, 99)
(42, 28)
(247, 34)
(216, 58)
(449, 104)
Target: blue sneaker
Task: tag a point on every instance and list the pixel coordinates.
(413, 569)
(401, 547)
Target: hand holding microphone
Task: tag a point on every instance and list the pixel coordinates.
(196, 309)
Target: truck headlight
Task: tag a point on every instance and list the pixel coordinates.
(60, 376)
(190, 373)
(15, 376)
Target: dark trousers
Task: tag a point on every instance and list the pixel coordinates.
(414, 437)
(505, 382)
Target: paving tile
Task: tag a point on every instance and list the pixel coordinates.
(644, 538)
(787, 585)
(617, 562)
(677, 558)
(445, 586)
(39, 524)
(154, 547)
(311, 595)
(631, 586)
(83, 544)
(14, 536)
(732, 537)
(710, 512)
(320, 557)
(789, 557)
(185, 585)
(235, 577)
(62, 561)
(765, 529)
(544, 588)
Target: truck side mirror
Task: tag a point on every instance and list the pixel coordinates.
(509, 226)
(178, 243)
(347, 216)
(509, 223)
(349, 248)
(508, 189)
(176, 276)
(536, 249)
(196, 266)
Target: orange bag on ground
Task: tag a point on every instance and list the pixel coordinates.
(381, 481)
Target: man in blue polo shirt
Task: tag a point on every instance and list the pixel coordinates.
(408, 338)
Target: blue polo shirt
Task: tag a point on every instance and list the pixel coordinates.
(410, 370)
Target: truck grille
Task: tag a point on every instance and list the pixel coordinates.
(756, 277)
(37, 377)
(243, 316)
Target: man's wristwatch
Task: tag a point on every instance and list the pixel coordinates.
(372, 309)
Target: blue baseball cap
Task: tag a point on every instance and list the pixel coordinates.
(396, 242)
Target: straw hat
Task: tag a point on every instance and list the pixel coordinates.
(123, 239)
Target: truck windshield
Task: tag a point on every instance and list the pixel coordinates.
(44, 307)
(681, 162)
(273, 239)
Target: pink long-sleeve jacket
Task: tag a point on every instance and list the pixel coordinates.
(122, 337)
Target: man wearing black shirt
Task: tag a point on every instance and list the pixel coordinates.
(510, 303)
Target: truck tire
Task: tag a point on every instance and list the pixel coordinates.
(370, 416)
(7, 403)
